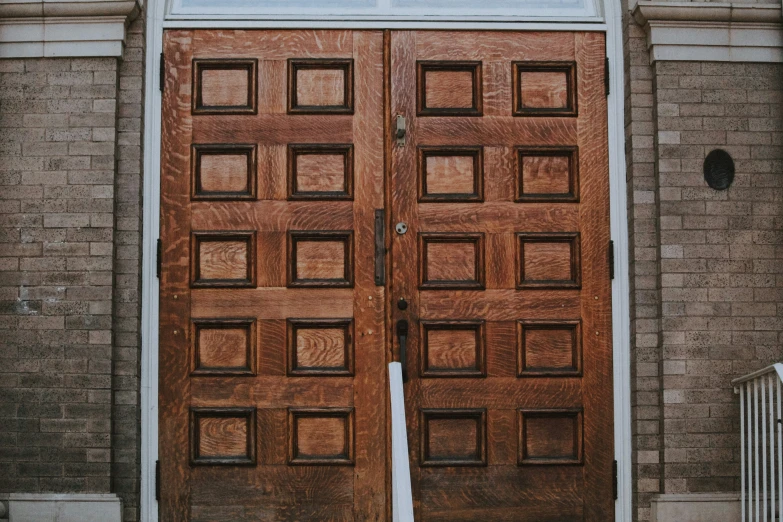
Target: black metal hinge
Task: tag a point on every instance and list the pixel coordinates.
(606, 76)
(380, 247)
(162, 71)
(614, 475)
(158, 261)
(611, 259)
(157, 480)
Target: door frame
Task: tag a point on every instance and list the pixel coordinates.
(621, 342)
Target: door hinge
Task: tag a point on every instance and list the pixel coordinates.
(380, 247)
(614, 478)
(162, 71)
(158, 260)
(606, 76)
(157, 480)
(611, 259)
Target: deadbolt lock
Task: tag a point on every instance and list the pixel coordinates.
(401, 228)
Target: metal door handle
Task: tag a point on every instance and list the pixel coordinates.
(402, 336)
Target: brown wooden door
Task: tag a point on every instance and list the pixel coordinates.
(274, 331)
(272, 350)
(503, 184)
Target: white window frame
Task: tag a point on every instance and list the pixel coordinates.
(385, 10)
(610, 22)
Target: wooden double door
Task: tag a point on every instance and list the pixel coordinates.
(319, 187)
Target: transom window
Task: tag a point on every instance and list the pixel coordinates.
(435, 10)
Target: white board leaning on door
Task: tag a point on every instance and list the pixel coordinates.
(402, 499)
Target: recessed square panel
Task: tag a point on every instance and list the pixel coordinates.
(547, 174)
(223, 346)
(550, 436)
(320, 347)
(549, 260)
(320, 436)
(448, 88)
(225, 86)
(549, 348)
(451, 261)
(544, 89)
(453, 437)
(318, 86)
(320, 258)
(223, 171)
(320, 171)
(223, 259)
(223, 436)
(451, 174)
(453, 349)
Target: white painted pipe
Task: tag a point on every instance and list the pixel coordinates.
(779, 429)
(742, 451)
(750, 451)
(764, 488)
(772, 422)
(756, 463)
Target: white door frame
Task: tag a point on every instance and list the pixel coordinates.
(612, 26)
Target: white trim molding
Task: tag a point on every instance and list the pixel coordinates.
(695, 507)
(58, 28)
(696, 31)
(64, 507)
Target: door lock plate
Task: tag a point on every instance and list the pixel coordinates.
(400, 131)
(401, 228)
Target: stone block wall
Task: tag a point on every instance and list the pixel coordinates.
(705, 264)
(70, 251)
(720, 258)
(58, 130)
(126, 416)
(644, 267)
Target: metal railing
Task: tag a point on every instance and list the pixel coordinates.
(761, 442)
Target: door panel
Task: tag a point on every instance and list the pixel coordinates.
(503, 184)
(272, 359)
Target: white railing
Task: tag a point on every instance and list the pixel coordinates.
(761, 443)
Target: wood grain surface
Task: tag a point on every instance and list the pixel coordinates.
(272, 380)
(527, 261)
(277, 150)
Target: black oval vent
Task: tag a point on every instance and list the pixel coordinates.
(718, 169)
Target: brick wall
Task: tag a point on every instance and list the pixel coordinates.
(70, 213)
(70, 252)
(57, 161)
(644, 270)
(126, 416)
(704, 264)
(720, 258)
